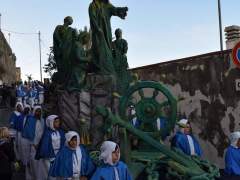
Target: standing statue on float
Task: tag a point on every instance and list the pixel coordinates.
(80, 63)
(100, 13)
(64, 38)
(120, 48)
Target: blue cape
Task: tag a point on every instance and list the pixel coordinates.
(32, 93)
(13, 120)
(106, 172)
(45, 148)
(63, 164)
(180, 141)
(232, 161)
(29, 128)
(20, 91)
(19, 122)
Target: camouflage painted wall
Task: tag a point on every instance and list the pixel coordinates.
(206, 85)
(7, 62)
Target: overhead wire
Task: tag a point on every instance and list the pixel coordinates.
(20, 33)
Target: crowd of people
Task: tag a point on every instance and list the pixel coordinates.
(47, 152)
(30, 93)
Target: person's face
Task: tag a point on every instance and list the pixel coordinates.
(26, 110)
(56, 123)
(119, 34)
(73, 142)
(69, 21)
(115, 156)
(238, 143)
(187, 129)
(19, 108)
(105, 1)
(38, 113)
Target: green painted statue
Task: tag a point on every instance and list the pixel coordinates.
(79, 63)
(120, 48)
(64, 38)
(100, 13)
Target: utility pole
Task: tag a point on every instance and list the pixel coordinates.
(0, 22)
(40, 54)
(220, 24)
(9, 35)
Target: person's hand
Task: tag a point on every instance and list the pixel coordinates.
(83, 178)
(35, 146)
(17, 166)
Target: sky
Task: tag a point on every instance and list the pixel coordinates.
(156, 30)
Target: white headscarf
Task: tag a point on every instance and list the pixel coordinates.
(69, 135)
(181, 124)
(18, 104)
(77, 156)
(27, 106)
(35, 108)
(234, 138)
(50, 120)
(107, 148)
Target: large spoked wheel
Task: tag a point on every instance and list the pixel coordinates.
(151, 100)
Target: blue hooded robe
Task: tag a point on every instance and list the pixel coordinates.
(45, 148)
(19, 122)
(180, 141)
(29, 128)
(14, 119)
(106, 172)
(232, 161)
(20, 91)
(63, 163)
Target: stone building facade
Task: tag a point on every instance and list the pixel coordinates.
(18, 74)
(205, 86)
(7, 62)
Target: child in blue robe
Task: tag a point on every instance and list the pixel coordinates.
(113, 169)
(33, 131)
(20, 92)
(72, 161)
(14, 128)
(20, 125)
(32, 95)
(184, 139)
(232, 157)
(40, 90)
(52, 141)
(15, 115)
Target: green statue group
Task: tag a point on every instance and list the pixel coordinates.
(105, 57)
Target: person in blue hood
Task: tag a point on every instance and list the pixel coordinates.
(32, 131)
(14, 122)
(232, 157)
(73, 161)
(184, 139)
(20, 125)
(20, 92)
(52, 141)
(113, 169)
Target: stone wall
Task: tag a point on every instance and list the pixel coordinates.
(7, 62)
(206, 88)
(78, 109)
